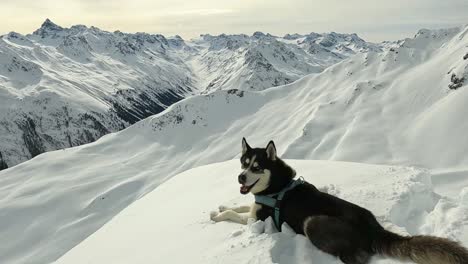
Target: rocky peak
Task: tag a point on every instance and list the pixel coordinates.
(292, 36)
(258, 34)
(48, 28)
(176, 41)
(78, 28)
(49, 25)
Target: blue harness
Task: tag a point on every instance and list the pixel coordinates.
(269, 200)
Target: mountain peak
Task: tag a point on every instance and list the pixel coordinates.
(258, 34)
(292, 36)
(47, 26)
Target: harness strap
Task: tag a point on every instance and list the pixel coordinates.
(269, 200)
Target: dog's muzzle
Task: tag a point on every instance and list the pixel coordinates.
(244, 189)
(242, 178)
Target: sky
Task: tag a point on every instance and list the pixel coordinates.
(374, 20)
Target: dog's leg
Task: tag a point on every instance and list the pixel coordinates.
(229, 215)
(238, 209)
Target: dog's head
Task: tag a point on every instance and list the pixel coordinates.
(263, 172)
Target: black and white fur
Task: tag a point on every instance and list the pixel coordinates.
(333, 225)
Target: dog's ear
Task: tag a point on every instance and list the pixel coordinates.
(245, 146)
(271, 150)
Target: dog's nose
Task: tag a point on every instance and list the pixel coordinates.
(242, 178)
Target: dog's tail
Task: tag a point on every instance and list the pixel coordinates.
(421, 249)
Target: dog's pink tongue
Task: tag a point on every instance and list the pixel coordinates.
(244, 188)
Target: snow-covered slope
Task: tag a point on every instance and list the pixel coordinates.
(173, 226)
(394, 107)
(63, 87)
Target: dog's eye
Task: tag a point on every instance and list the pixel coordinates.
(244, 165)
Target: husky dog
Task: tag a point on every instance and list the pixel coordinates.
(333, 225)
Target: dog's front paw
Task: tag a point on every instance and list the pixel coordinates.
(223, 208)
(213, 215)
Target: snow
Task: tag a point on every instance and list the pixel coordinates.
(172, 226)
(393, 108)
(74, 85)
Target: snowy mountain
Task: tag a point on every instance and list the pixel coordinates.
(397, 107)
(63, 87)
(262, 61)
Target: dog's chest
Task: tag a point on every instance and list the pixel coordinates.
(260, 212)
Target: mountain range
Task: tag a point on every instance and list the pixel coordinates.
(63, 87)
(401, 104)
